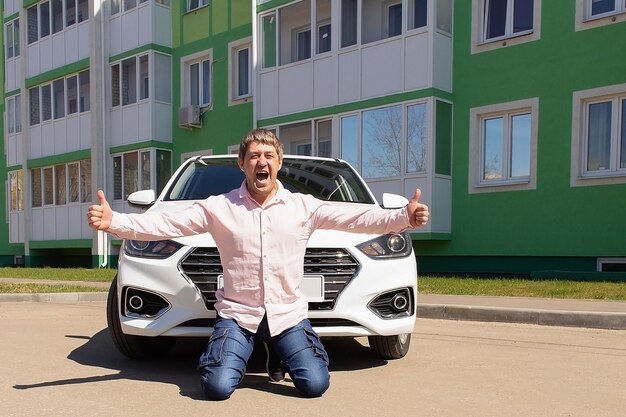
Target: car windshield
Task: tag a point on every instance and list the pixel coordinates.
(324, 179)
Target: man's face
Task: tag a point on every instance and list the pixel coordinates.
(260, 165)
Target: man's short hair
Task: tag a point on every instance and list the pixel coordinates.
(264, 136)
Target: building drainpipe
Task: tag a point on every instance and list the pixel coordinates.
(99, 130)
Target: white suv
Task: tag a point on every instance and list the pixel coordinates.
(356, 284)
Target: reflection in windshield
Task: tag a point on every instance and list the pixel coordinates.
(325, 179)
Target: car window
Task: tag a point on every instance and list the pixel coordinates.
(324, 179)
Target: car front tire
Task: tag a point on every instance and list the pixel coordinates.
(135, 347)
(390, 347)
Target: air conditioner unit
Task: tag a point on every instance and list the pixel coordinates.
(189, 116)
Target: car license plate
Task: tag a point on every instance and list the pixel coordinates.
(312, 287)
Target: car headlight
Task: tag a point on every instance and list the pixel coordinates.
(396, 245)
(155, 250)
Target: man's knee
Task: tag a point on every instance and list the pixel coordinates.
(215, 388)
(315, 385)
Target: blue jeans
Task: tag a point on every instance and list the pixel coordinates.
(223, 365)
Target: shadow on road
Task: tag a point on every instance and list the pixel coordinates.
(179, 367)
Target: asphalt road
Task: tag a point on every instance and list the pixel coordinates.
(57, 360)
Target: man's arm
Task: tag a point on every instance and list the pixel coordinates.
(368, 218)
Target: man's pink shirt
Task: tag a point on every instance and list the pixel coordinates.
(261, 248)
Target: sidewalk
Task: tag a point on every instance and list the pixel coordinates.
(542, 311)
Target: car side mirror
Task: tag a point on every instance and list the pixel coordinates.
(391, 201)
(142, 199)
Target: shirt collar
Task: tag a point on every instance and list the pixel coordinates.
(278, 198)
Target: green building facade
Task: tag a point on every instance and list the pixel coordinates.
(510, 115)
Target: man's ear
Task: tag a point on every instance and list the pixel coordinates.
(240, 163)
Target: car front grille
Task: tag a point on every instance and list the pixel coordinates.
(203, 266)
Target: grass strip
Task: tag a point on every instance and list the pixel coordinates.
(29, 288)
(519, 287)
(60, 274)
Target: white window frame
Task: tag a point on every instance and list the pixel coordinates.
(13, 108)
(480, 44)
(15, 177)
(233, 71)
(479, 114)
(82, 107)
(195, 5)
(138, 81)
(14, 46)
(388, 5)
(585, 20)
(186, 64)
(579, 176)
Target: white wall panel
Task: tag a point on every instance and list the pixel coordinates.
(442, 62)
(116, 127)
(85, 130)
(144, 18)
(295, 89)
(162, 122)
(130, 30)
(162, 28)
(11, 7)
(60, 136)
(417, 62)
(34, 139)
(63, 223)
(47, 139)
(144, 121)
(33, 60)
(49, 223)
(441, 206)
(37, 224)
(268, 106)
(71, 44)
(46, 53)
(115, 35)
(130, 124)
(349, 83)
(381, 68)
(83, 40)
(16, 227)
(58, 50)
(73, 133)
(323, 82)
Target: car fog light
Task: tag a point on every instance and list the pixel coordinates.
(396, 243)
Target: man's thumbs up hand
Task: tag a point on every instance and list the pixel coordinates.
(418, 212)
(99, 215)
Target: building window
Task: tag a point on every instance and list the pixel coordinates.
(374, 141)
(162, 77)
(503, 142)
(198, 81)
(302, 44)
(349, 19)
(605, 137)
(61, 184)
(132, 171)
(196, 4)
(312, 137)
(602, 8)
(16, 190)
(130, 79)
(417, 15)
(323, 41)
(507, 18)
(268, 40)
(516, 21)
(241, 71)
(12, 39)
(118, 6)
(59, 98)
(14, 114)
(394, 19)
(53, 16)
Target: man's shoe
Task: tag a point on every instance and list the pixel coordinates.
(273, 366)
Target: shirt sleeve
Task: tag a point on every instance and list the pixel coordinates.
(161, 225)
(360, 218)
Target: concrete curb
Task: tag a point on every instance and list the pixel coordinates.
(65, 297)
(599, 320)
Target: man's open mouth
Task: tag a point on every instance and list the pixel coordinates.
(262, 176)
